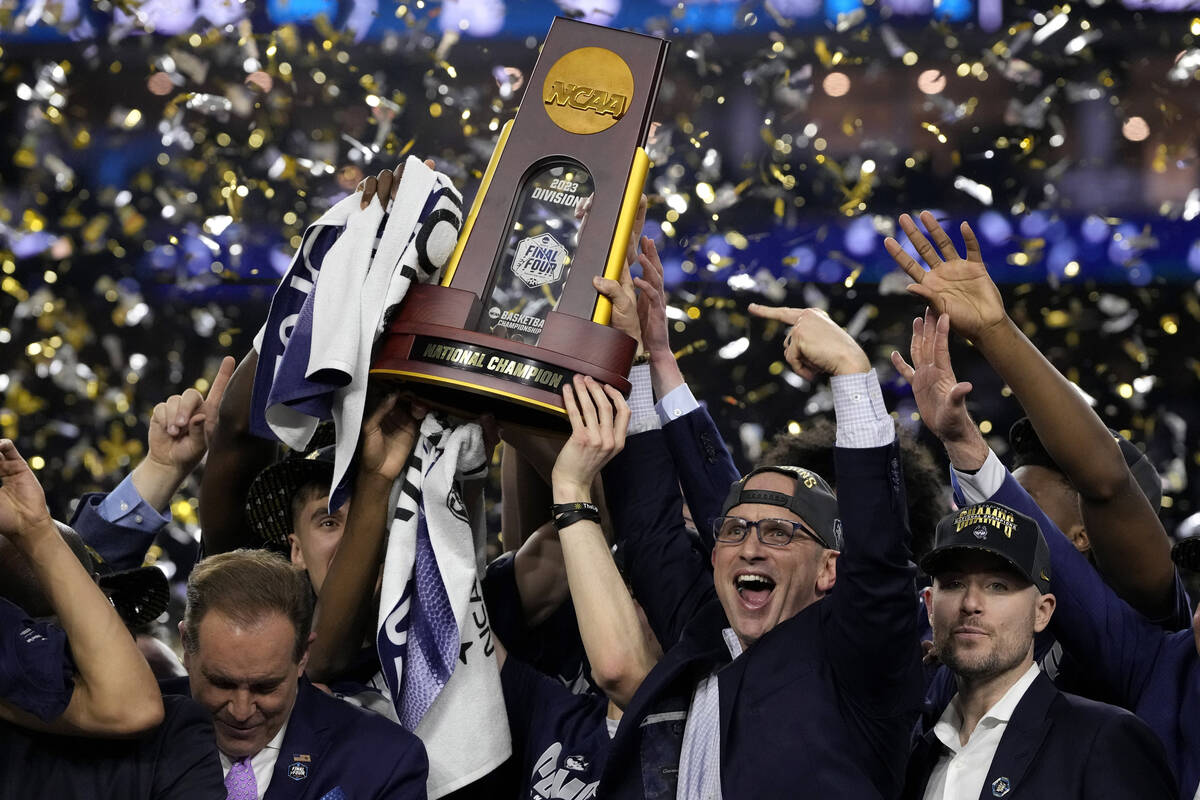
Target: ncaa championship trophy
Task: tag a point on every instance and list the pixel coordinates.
(515, 315)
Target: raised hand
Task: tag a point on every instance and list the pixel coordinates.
(652, 302)
(23, 511)
(941, 398)
(960, 287)
(815, 345)
(182, 425)
(599, 420)
(383, 185)
(621, 291)
(388, 436)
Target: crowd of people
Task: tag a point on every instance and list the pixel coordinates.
(840, 622)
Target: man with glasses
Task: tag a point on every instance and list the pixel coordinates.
(779, 684)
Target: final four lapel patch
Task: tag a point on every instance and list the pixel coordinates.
(1001, 787)
(298, 769)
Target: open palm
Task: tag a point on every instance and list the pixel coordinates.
(22, 501)
(953, 285)
(940, 397)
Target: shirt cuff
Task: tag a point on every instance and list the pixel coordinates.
(979, 487)
(125, 508)
(676, 403)
(862, 418)
(641, 401)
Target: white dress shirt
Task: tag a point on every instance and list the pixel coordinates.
(962, 768)
(700, 756)
(263, 762)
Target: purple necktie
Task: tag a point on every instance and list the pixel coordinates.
(239, 783)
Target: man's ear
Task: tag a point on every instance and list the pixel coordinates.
(827, 572)
(183, 638)
(1043, 612)
(312, 637)
(297, 555)
(927, 597)
(1078, 537)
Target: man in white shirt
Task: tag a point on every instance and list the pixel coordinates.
(1008, 726)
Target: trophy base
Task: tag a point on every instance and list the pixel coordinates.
(430, 342)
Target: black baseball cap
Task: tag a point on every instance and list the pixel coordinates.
(996, 529)
(140, 595)
(812, 500)
(1029, 450)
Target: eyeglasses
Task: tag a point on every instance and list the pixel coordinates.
(772, 532)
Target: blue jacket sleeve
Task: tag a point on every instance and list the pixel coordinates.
(706, 469)
(1092, 623)
(122, 542)
(874, 639)
(666, 565)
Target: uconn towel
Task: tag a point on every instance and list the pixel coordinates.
(434, 638)
(352, 267)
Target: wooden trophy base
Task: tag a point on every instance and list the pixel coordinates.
(432, 341)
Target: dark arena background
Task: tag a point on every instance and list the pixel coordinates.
(161, 158)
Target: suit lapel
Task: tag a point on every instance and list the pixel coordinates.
(927, 749)
(295, 775)
(1022, 739)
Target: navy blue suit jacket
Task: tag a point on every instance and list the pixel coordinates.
(706, 469)
(821, 706)
(1058, 745)
(336, 751)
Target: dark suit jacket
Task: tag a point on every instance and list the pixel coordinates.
(823, 705)
(1061, 746)
(336, 751)
(175, 761)
(706, 469)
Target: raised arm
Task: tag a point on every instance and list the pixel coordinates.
(115, 692)
(1128, 540)
(608, 622)
(344, 610)
(705, 466)
(874, 639)
(235, 457)
(1092, 623)
(121, 525)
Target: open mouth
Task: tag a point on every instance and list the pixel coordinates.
(754, 590)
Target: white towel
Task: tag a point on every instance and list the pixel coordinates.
(353, 266)
(434, 638)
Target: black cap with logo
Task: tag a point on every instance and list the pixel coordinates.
(812, 500)
(996, 529)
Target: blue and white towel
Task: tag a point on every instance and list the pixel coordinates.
(434, 638)
(352, 267)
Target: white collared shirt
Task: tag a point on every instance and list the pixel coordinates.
(962, 768)
(700, 756)
(263, 762)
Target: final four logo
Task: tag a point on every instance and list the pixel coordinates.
(539, 260)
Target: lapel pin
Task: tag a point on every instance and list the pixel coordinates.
(298, 769)
(1001, 787)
